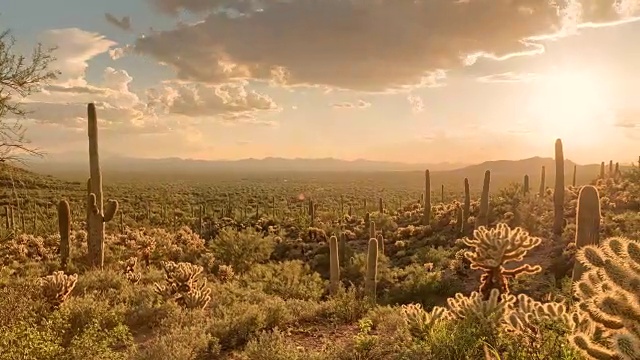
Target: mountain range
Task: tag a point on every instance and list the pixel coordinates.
(72, 163)
(72, 167)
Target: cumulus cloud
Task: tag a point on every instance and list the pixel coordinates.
(118, 108)
(75, 47)
(508, 77)
(361, 44)
(417, 104)
(124, 23)
(360, 104)
(64, 102)
(232, 101)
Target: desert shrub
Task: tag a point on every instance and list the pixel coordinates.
(288, 280)
(242, 249)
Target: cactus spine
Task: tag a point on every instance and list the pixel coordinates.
(587, 224)
(334, 266)
(558, 193)
(483, 214)
(64, 226)
(372, 270)
(426, 217)
(97, 214)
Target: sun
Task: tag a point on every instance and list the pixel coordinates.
(570, 105)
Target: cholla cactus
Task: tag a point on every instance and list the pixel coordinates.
(57, 287)
(530, 314)
(419, 321)
(130, 270)
(609, 292)
(496, 247)
(492, 310)
(197, 298)
(182, 285)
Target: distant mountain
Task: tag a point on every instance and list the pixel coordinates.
(515, 170)
(67, 165)
(118, 168)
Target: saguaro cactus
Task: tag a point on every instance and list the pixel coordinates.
(342, 249)
(380, 206)
(558, 193)
(602, 170)
(525, 186)
(543, 185)
(371, 276)
(97, 215)
(483, 214)
(312, 212)
(466, 209)
(587, 224)
(334, 266)
(372, 229)
(380, 239)
(575, 171)
(426, 216)
(64, 226)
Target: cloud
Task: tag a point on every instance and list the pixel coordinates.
(360, 104)
(75, 47)
(162, 109)
(508, 77)
(628, 119)
(360, 44)
(124, 23)
(118, 108)
(417, 105)
(231, 101)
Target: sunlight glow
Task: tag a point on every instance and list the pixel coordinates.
(570, 104)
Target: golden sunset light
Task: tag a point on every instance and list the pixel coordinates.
(320, 180)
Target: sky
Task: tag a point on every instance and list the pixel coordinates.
(419, 81)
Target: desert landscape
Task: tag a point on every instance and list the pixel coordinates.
(319, 180)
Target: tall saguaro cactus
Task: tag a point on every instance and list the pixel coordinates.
(64, 226)
(426, 216)
(466, 209)
(587, 224)
(543, 185)
(558, 193)
(371, 275)
(483, 214)
(334, 265)
(95, 201)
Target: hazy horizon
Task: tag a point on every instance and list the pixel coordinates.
(411, 82)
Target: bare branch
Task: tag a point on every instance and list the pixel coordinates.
(19, 78)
